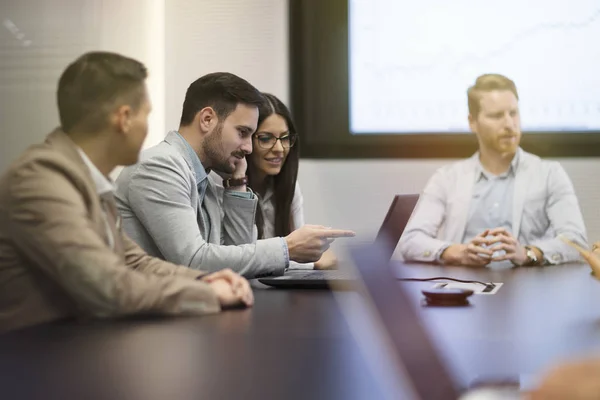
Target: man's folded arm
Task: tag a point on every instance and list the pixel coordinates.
(136, 258)
(565, 218)
(239, 210)
(48, 219)
(419, 241)
(238, 217)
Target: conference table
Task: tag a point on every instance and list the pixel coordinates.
(307, 344)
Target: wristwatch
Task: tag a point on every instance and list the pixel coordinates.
(231, 182)
(531, 257)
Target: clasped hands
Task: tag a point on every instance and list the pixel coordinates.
(481, 249)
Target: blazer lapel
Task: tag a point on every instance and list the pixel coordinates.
(465, 188)
(206, 221)
(523, 176)
(64, 145)
(463, 191)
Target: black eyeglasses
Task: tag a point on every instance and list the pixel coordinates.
(268, 140)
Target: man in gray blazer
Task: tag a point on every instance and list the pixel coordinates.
(502, 204)
(172, 207)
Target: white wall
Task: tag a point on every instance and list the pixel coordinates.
(39, 38)
(248, 38)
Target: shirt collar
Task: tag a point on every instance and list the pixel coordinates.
(480, 172)
(269, 192)
(103, 184)
(199, 170)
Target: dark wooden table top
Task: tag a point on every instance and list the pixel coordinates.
(305, 344)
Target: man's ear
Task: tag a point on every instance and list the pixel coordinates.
(122, 118)
(206, 119)
(473, 123)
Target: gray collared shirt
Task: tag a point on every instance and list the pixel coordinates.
(199, 170)
(202, 179)
(491, 203)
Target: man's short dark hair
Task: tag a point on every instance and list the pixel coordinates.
(91, 87)
(222, 91)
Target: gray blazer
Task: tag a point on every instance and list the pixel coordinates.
(162, 211)
(544, 206)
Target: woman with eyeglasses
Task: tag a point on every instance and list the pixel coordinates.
(272, 174)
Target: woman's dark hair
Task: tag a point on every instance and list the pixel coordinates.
(284, 183)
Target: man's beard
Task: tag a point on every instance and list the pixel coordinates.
(213, 148)
(507, 147)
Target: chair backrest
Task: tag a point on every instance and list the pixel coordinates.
(396, 219)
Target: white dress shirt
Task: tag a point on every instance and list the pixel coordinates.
(103, 186)
(267, 207)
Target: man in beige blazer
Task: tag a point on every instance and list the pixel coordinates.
(62, 251)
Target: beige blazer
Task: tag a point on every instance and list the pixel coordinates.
(55, 258)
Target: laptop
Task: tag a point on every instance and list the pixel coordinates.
(391, 230)
(426, 371)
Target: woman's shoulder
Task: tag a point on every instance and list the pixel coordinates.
(297, 200)
(297, 188)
